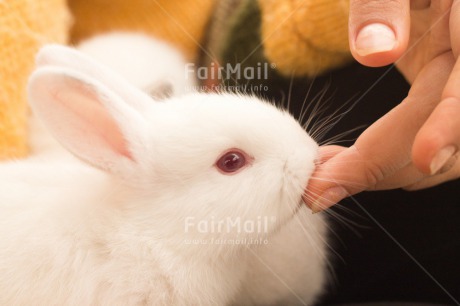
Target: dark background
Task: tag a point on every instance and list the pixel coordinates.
(400, 238)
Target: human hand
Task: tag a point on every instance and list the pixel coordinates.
(415, 145)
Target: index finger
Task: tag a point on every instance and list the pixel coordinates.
(384, 148)
(454, 27)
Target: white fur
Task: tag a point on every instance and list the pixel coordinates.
(119, 233)
(148, 63)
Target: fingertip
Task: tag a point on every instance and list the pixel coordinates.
(314, 196)
(437, 141)
(442, 159)
(327, 152)
(375, 38)
(329, 198)
(324, 188)
(378, 30)
(376, 44)
(425, 145)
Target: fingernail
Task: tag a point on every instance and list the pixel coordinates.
(450, 163)
(375, 38)
(441, 158)
(328, 198)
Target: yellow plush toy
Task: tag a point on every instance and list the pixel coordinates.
(305, 37)
(301, 37)
(24, 26)
(298, 37)
(180, 22)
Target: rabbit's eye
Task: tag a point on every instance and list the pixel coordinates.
(231, 162)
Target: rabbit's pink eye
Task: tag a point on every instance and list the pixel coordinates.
(231, 162)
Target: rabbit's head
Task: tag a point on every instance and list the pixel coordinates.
(199, 166)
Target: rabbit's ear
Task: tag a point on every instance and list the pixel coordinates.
(74, 60)
(88, 118)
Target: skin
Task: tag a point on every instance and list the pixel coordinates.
(415, 145)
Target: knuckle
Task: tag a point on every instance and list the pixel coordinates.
(373, 172)
(374, 175)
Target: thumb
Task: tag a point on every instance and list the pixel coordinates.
(378, 30)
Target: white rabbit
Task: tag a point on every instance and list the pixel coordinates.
(173, 209)
(148, 63)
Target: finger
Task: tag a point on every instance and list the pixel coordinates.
(454, 26)
(410, 178)
(409, 175)
(439, 138)
(378, 30)
(449, 172)
(419, 4)
(384, 148)
(327, 152)
(440, 36)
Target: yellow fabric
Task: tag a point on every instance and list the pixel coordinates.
(180, 22)
(305, 37)
(24, 26)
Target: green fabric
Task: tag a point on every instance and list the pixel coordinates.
(242, 45)
(234, 37)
